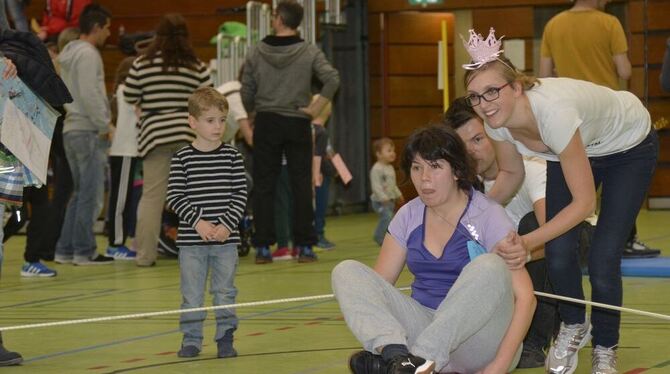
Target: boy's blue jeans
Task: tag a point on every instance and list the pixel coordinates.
(195, 262)
(385, 211)
(625, 178)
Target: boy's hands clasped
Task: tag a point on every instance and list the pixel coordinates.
(210, 232)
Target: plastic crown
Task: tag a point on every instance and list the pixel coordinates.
(482, 50)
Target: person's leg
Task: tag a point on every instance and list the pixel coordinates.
(90, 186)
(2, 235)
(121, 186)
(472, 320)
(320, 208)
(4, 23)
(625, 179)
(385, 211)
(17, 12)
(283, 216)
(36, 233)
(156, 166)
(8, 358)
(62, 189)
(193, 274)
(299, 161)
(223, 262)
(268, 147)
(376, 312)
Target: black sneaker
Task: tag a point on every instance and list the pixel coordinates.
(364, 362)
(306, 254)
(637, 249)
(97, 260)
(263, 255)
(8, 358)
(410, 364)
(531, 357)
(188, 351)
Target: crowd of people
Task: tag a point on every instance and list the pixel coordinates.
(502, 198)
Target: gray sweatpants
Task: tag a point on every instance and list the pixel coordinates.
(461, 335)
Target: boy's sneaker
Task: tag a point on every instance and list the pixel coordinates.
(97, 260)
(263, 255)
(121, 253)
(364, 362)
(324, 243)
(638, 249)
(562, 357)
(410, 364)
(306, 254)
(188, 351)
(603, 360)
(282, 254)
(36, 269)
(8, 358)
(224, 346)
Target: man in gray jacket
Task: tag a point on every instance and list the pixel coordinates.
(277, 85)
(85, 136)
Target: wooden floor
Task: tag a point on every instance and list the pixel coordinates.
(307, 337)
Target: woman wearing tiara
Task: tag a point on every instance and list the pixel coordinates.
(468, 312)
(591, 136)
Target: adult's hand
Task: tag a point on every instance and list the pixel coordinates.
(513, 250)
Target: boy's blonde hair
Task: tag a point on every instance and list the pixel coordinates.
(379, 144)
(205, 98)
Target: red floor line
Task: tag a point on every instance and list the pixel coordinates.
(133, 360)
(166, 353)
(256, 334)
(98, 367)
(285, 328)
(636, 371)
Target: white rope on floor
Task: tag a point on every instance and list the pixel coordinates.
(293, 300)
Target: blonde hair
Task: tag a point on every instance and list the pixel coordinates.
(509, 72)
(205, 98)
(67, 35)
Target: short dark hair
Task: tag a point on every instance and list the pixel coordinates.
(439, 142)
(290, 12)
(93, 14)
(459, 113)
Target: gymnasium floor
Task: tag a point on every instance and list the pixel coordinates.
(304, 337)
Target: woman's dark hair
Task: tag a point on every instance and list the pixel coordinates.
(435, 143)
(172, 44)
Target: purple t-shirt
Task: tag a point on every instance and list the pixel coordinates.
(483, 222)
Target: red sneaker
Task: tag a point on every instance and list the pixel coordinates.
(282, 254)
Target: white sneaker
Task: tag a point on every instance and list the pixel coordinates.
(562, 357)
(603, 360)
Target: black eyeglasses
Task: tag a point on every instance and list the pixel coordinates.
(488, 95)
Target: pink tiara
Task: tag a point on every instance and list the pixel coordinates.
(482, 50)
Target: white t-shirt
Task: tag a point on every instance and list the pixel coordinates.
(533, 189)
(608, 121)
(124, 142)
(236, 111)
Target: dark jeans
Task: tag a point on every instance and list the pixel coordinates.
(275, 134)
(321, 205)
(283, 210)
(545, 320)
(625, 178)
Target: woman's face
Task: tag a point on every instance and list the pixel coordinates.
(496, 97)
(434, 181)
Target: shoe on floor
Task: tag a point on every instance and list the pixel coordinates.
(324, 243)
(638, 249)
(263, 255)
(36, 269)
(562, 357)
(188, 351)
(121, 253)
(603, 360)
(306, 254)
(62, 260)
(410, 364)
(531, 357)
(364, 362)
(97, 260)
(282, 254)
(8, 358)
(224, 346)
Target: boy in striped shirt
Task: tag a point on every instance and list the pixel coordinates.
(207, 189)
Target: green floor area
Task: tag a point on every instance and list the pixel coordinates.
(298, 337)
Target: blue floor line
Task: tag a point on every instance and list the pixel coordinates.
(93, 347)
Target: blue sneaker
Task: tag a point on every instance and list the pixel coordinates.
(263, 255)
(121, 253)
(306, 254)
(36, 269)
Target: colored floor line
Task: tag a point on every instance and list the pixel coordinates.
(98, 346)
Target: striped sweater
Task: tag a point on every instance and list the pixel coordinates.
(210, 186)
(163, 99)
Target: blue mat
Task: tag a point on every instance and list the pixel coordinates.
(646, 267)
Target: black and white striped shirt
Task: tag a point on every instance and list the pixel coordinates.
(210, 186)
(163, 98)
